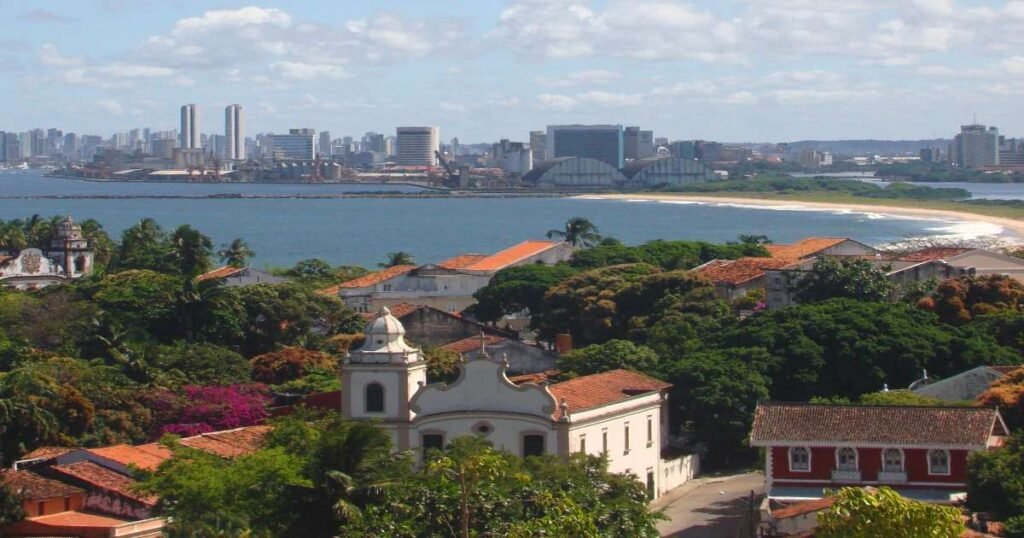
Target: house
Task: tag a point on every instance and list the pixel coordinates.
(619, 413)
(240, 276)
(448, 285)
(921, 452)
(965, 386)
(69, 257)
(811, 247)
(521, 357)
(427, 326)
(733, 279)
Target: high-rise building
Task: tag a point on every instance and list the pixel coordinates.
(325, 145)
(417, 146)
(37, 143)
(234, 133)
(684, 149)
(601, 142)
(162, 147)
(455, 146)
(373, 142)
(930, 155)
(539, 145)
(190, 137)
(298, 144)
(638, 144)
(975, 147)
(3, 146)
(70, 146)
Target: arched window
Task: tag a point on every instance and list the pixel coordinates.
(846, 459)
(374, 398)
(938, 461)
(799, 459)
(80, 264)
(533, 445)
(892, 460)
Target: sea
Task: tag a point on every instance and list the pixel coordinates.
(282, 229)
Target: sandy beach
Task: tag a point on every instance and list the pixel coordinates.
(1014, 225)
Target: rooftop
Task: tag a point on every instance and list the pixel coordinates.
(786, 423)
(740, 270)
(461, 261)
(31, 486)
(371, 279)
(590, 391)
(219, 273)
(933, 253)
(511, 256)
(47, 452)
(104, 478)
(79, 519)
(229, 443)
(803, 248)
(472, 343)
(147, 457)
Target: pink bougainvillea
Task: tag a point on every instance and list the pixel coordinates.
(199, 409)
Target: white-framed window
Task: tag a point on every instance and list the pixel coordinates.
(799, 459)
(583, 443)
(625, 436)
(846, 459)
(892, 460)
(650, 430)
(938, 461)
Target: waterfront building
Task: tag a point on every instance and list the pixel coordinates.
(975, 147)
(298, 144)
(638, 144)
(601, 142)
(70, 145)
(234, 133)
(190, 134)
(417, 146)
(574, 172)
(324, 145)
(664, 170)
(539, 145)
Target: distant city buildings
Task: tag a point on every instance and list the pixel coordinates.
(930, 155)
(324, 145)
(298, 144)
(190, 134)
(604, 143)
(417, 146)
(234, 133)
(539, 145)
(514, 158)
(638, 144)
(975, 147)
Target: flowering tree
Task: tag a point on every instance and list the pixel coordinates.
(206, 409)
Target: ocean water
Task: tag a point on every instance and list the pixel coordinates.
(361, 231)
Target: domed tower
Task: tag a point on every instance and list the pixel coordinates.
(70, 249)
(379, 378)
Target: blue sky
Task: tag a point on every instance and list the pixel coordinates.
(733, 70)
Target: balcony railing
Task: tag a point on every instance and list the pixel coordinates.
(892, 477)
(845, 476)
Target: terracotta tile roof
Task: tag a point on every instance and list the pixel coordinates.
(30, 486)
(147, 457)
(590, 391)
(371, 279)
(47, 452)
(1006, 369)
(100, 477)
(229, 443)
(934, 253)
(777, 423)
(219, 273)
(803, 507)
(739, 271)
(461, 261)
(803, 248)
(536, 377)
(472, 343)
(511, 255)
(79, 519)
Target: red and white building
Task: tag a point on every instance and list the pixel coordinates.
(919, 451)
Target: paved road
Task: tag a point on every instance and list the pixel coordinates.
(715, 509)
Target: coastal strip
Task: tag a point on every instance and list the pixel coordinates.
(1014, 225)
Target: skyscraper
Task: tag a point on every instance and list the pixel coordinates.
(324, 145)
(975, 147)
(190, 127)
(416, 146)
(601, 142)
(638, 144)
(539, 145)
(234, 133)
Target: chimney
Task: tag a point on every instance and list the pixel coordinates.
(563, 343)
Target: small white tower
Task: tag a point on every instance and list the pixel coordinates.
(379, 378)
(70, 249)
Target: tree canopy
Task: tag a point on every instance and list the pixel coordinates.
(863, 513)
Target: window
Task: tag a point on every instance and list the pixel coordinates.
(67, 504)
(432, 441)
(533, 445)
(650, 484)
(650, 430)
(80, 264)
(583, 443)
(604, 441)
(799, 459)
(938, 461)
(374, 398)
(846, 459)
(892, 460)
(625, 434)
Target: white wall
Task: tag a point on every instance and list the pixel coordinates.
(505, 431)
(642, 456)
(678, 471)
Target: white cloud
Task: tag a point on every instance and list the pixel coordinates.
(1014, 65)
(110, 106)
(578, 78)
(50, 55)
(553, 101)
(307, 71)
(230, 19)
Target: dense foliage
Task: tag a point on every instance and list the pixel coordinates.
(863, 513)
(995, 483)
(833, 278)
(1007, 394)
(922, 171)
(792, 185)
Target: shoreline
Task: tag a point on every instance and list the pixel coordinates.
(1014, 225)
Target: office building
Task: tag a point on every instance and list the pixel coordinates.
(298, 144)
(975, 147)
(162, 147)
(374, 142)
(324, 148)
(190, 137)
(638, 144)
(601, 142)
(70, 145)
(234, 133)
(539, 145)
(417, 146)
(514, 158)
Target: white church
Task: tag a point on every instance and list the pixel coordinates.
(69, 257)
(620, 413)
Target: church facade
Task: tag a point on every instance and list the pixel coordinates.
(619, 413)
(68, 257)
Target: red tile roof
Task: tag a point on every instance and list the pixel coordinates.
(536, 377)
(47, 452)
(590, 391)
(147, 457)
(803, 507)
(933, 253)
(219, 273)
(371, 279)
(30, 486)
(461, 261)
(472, 343)
(803, 248)
(739, 271)
(786, 423)
(102, 478)
(229, 443)
(511, 255)
(79, 519)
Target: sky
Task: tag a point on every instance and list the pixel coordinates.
(729, 70)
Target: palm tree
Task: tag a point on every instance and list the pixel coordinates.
(397, 258)
(579, 232)
(236, 254)
(190, 250)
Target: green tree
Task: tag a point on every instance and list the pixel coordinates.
(11, 510)
(995, 480)
(610, 355)
(199, 363)
(395, 259)
(862, 513)
(143, 246)
(833, 278)
(190, 251)
(516, 289)
(236, 254)
(578, 232)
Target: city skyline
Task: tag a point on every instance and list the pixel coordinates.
(737, 71)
